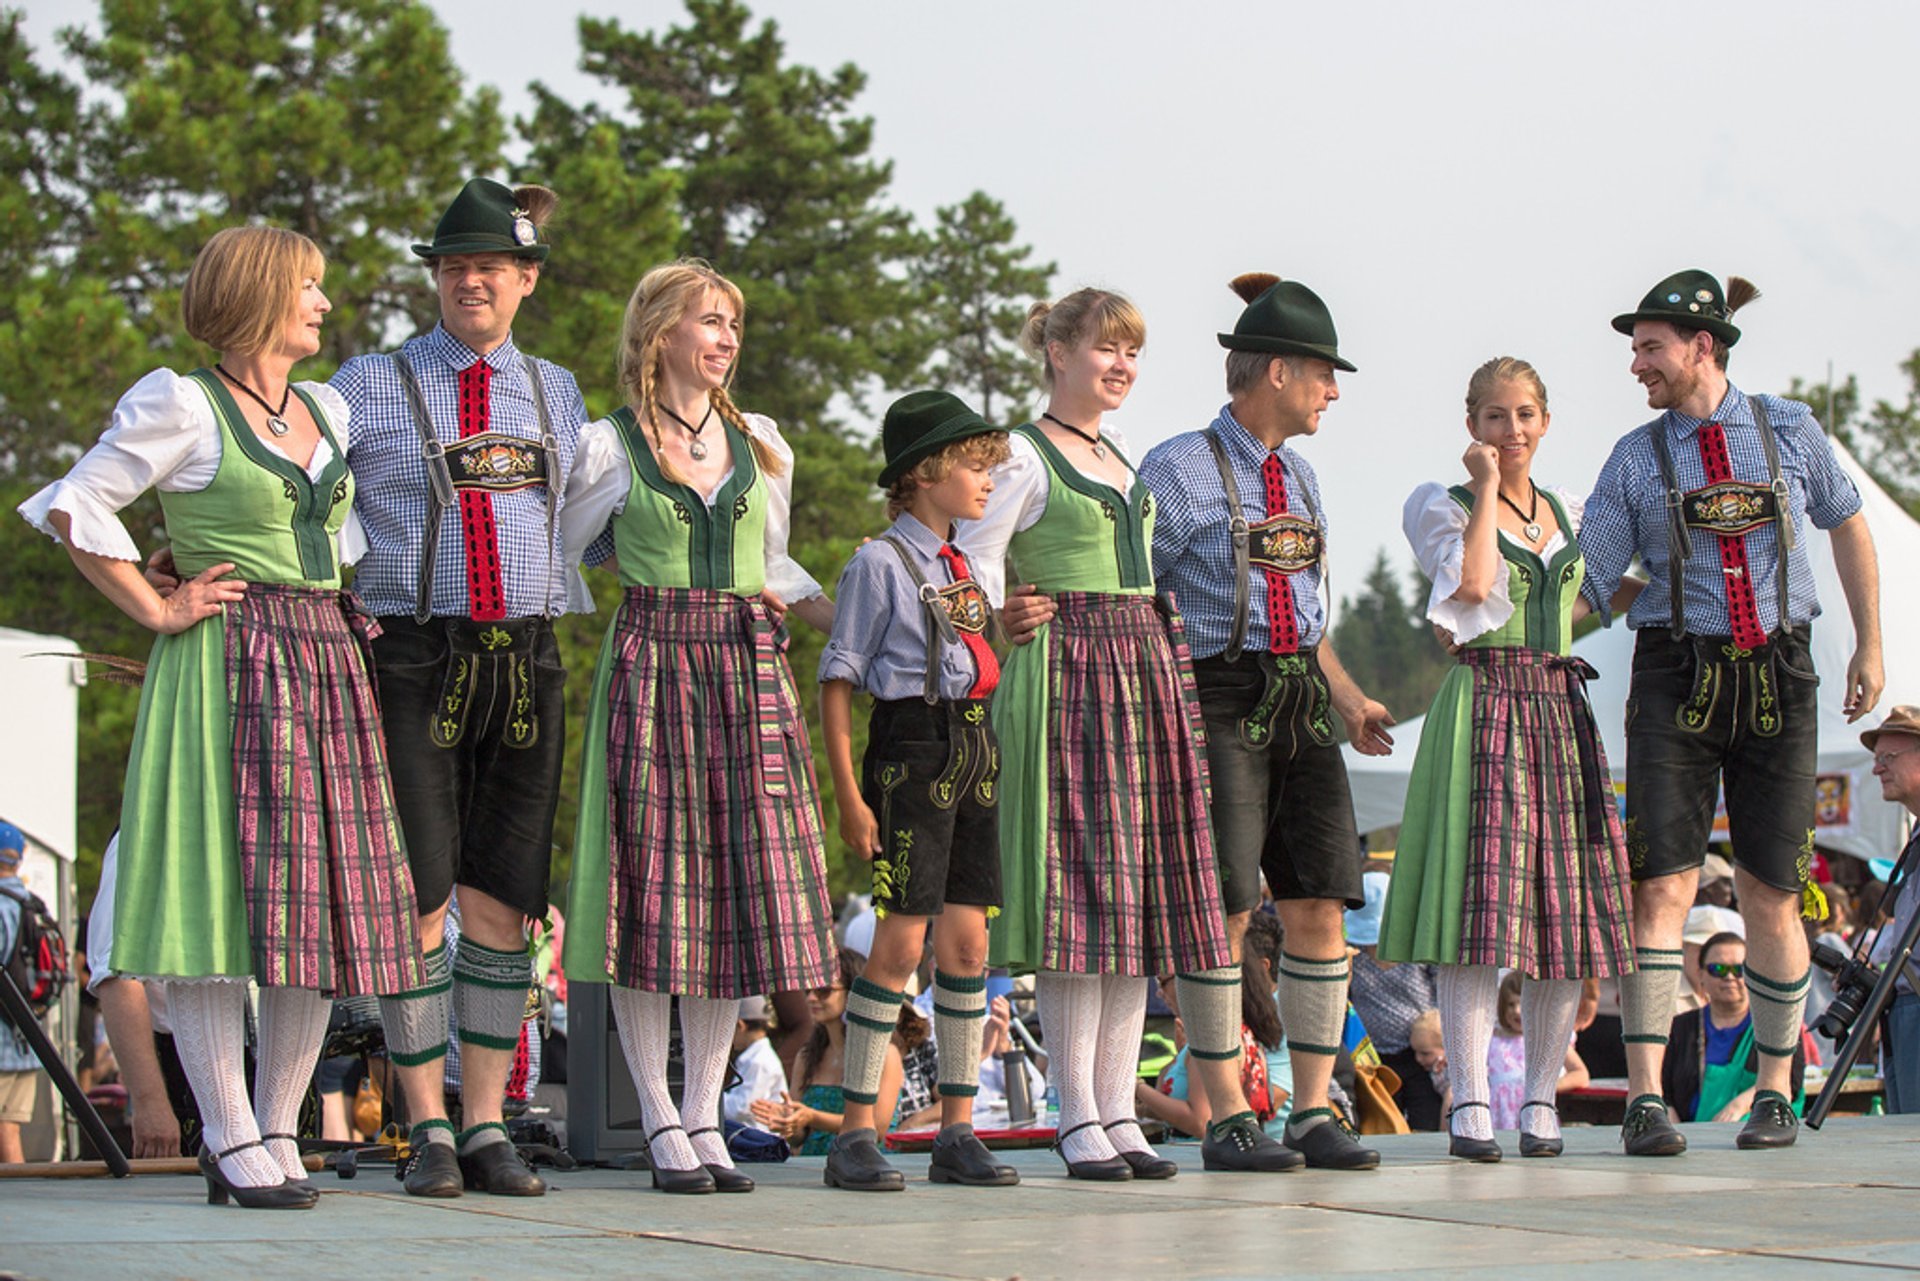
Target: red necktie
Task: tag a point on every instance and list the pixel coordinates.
(984, 662)
(1741, 609)
(484, 594)
(1283, 629)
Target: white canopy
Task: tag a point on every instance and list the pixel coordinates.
(1853, 818)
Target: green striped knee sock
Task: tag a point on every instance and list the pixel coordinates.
(872, 1013)
(490, 994)
(1210, 1011)
(959, 1017)
(1646, 995)
(416, 1021)
(1313, 1003)
(1777, 1008)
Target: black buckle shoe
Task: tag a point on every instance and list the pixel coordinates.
(431, 1170)
(960, 1157)
(1112, 1169)
(695, 1182)
(1145, 1165)
(1238, 1143)
(1771, 1124)
(499, 1169)
(725, 1177)
(274, 1196)
(1485, 1151)
(302, 1181)
(1331, 1145)
(1648, 1132)
(1535, 1145)
(855, 1163)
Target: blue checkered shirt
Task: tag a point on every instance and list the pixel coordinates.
(879, 639)
(390, 477)
(1193, 539)
(1627, 516)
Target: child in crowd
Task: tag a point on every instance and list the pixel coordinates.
(757, 1062)
(1507, 1059)
(1430, 1052)
(910, 629)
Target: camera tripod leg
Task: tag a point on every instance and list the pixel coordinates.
(44, 1049)
(1879, 999)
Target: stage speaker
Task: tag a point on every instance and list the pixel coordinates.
(603, 1109)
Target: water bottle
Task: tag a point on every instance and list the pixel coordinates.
(1013, 1067)
(1052, 1119)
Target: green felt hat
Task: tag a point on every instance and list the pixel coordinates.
(485, 219)
(1287, 319)
(922, 423)
(1689, 300)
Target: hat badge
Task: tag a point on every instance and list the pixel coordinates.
(524, 232)
(1673, 297)
(1704, 295)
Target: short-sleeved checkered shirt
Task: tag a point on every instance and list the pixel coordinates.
(390, 475)
(1193, 539)
(1627, 516)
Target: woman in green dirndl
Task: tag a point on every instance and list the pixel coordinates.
(258, 837)
(1107, 855)
(1511, 854)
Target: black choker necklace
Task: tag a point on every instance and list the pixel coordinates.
(276, 418)
(1530, 516)
(1099, 446)
(696, 448)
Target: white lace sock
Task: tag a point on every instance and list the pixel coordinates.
(1547, 1010)
(1116, 1060)
(1070, 1028)
(293, 1023)
(210, 1031)
(645, 1020)
(1468, 996)
(706, 1029)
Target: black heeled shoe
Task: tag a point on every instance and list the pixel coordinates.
(1533, 1144)
(1486, 1151)
(725, 1177)
(692, 1182)
(1111, 1169)
(303, 1181)
(1145, 1165)
(275, 1196)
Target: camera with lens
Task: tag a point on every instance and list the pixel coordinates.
(1853, 980)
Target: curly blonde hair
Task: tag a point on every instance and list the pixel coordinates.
(991, 448)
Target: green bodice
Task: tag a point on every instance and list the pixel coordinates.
(1542, 591)
(1089, 539)
(262, 512)
(667, 536)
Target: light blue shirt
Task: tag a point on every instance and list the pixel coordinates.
(879, 639)
(15, 1054)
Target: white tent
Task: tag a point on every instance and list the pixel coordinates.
(1854, 820)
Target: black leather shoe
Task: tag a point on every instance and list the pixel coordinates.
(1486, 1151)
(1238, 1143)
(1647, 1132)
(275, 1196)
(960, 1157)
(1145, 1165)
(725, 1177)
(1111, 1169)
(1771, 1124)
(1329, 1145)
(1533, 1144)
(498, 1168)
(433, 1169)
(303, 1181)
(695, 1182)
(855, 1163)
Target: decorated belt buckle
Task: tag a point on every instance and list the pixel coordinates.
(1285, 543)
(966, 606)
(496, 462)
(1728, 508)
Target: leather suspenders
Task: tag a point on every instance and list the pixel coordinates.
(940, 628)
(1241, 534)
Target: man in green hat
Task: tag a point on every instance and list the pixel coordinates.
(1715, 497)
(1240, 543)
(461, 445)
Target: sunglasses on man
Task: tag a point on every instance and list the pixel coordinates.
(1726, 969)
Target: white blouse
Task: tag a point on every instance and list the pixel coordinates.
(163, 435)
(602, 477)
(1018, 502)
(1436, 528)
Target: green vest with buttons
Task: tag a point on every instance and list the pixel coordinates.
(1090, 538)
(668, 536)
(1543, 591)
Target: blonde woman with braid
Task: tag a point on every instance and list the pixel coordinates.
(698, 867)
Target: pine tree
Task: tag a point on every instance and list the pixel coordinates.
(1386, 644)
(978, 285)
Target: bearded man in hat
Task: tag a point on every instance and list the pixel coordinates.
(1240, 543)
(1715, 496)
(460, 445)
(1895, 745)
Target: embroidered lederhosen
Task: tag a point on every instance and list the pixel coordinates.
(1288, 544)
(491, 462)
(1727, 508)
(951, 610)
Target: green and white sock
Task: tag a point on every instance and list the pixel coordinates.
(1210, 1011)
(416, 1021)
(872, 1014)
(959, 1019)
(1777, 1010)
(1313, 1003)
(485, 1134)
(1646, 995)
(433, 1130)
(490, 994)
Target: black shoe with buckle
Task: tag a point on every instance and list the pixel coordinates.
(1648, 1132)
(1112, 1169)
(498, 1168)
(960, 1157)
(1771, 1124)
(1330, 1145)
(725, 1177)
(1535, 1145)
(431, 1170)
(694, 1182)
(1486, 1151)
(301, 1181)
(855, 1163)
(1238, 1143)
(1145, 1165)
